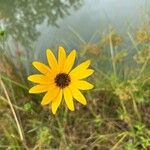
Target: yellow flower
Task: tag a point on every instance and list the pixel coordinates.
(59, 79)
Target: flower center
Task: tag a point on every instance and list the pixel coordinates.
(62, 80)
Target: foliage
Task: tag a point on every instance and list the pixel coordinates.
(117, 114)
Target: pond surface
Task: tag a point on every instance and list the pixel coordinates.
(36, 25)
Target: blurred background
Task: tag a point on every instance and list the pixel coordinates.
(33, 26)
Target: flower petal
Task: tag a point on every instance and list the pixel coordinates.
(50, 95)
(41, 67)
(83, 85)
(61, 58)
(51, 59)
(81, 74)
(39, 89)
(39, 78)
(82, 66)
(56, 102)
(68, 98)
(69, 61)
(77, 95)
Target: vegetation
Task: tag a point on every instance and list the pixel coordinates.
(117, 115)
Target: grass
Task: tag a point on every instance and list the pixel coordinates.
(117, 116)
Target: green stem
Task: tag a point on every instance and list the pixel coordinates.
(135, 107)
(112, 55)
(62, 126)
(125, 112)
(142, 69)
(123, 106)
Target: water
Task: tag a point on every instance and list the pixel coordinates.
(36, 25)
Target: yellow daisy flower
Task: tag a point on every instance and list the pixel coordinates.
(59, 79)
